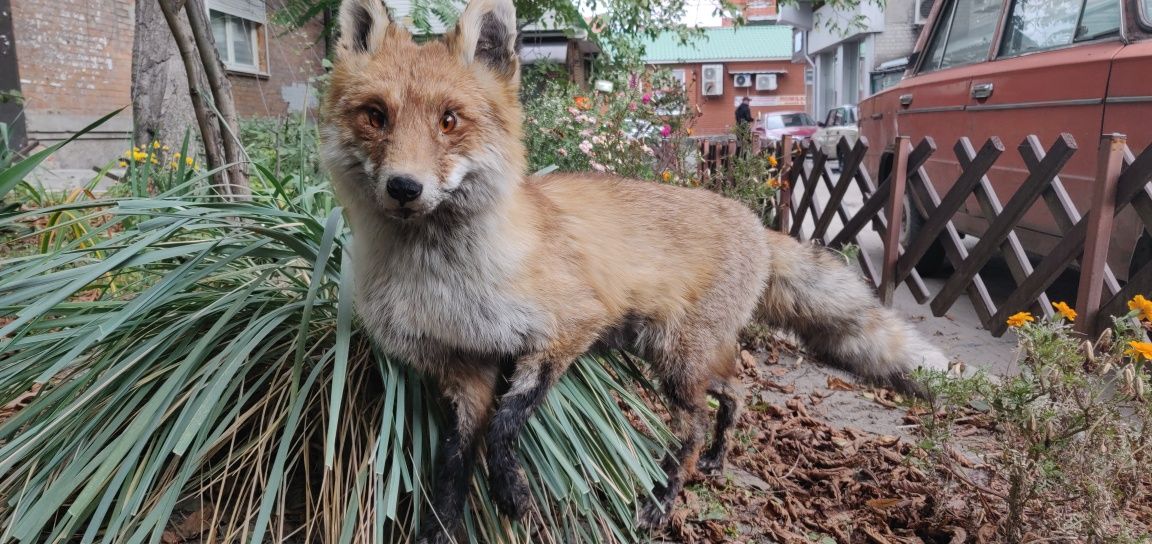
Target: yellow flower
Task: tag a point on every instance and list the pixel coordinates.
(1140, 349)
(1065, 311)
(1019, 319)
(1142, 305)
(165, 148)
(189, 161)
(772, 161)
(175, 165)
(139, 156)
(156, 144)
(773, 183)
(666, 176)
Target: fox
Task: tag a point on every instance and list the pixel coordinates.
(491, 282)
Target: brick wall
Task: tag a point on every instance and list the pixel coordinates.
(718, 113)
(293, 58)
(75, 61)
(899, 34)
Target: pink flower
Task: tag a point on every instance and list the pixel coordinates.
(562, 152)
(586, 147)
(574, 111)
(633, 81)
(646, 98)
(597, 166)
(666, 131)
(632, 106)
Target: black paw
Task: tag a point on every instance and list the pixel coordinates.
(711, 465)
(654, 515)
(511, 494)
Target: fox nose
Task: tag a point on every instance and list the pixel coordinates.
(404, 189)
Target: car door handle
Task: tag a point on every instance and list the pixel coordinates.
(981, 90)
(905, 99)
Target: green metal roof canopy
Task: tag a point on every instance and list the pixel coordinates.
(768, 42)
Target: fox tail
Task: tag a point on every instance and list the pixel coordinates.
(811, 292)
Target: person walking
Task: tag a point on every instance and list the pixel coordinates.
(744, 114)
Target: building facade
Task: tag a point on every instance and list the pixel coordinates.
(849, 53)
(728, 64)
(74, 59)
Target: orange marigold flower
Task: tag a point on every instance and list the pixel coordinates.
(1142, 305)
(1140, 349)
(582, 102)
(666, 176)
(1065, 310)
(1019, 319)
(774, 182)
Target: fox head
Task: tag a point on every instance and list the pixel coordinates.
(412, 130)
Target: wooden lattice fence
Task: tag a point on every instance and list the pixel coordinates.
(1122, 179)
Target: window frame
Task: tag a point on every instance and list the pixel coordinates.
(949, 10)
(1144, 14)
(1007, 16)
(261, 66)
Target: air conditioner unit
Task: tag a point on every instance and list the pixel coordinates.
(923, 10)
(765, 82)
(712, 80)
(742, 80)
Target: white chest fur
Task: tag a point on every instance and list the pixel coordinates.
(421, 297)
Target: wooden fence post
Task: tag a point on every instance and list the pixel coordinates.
(784, 173)
(895, 221)
(1089, 293)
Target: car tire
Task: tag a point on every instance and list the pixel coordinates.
(1141, 254)
(935, 260)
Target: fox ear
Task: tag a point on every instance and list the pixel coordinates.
(486, 33)
(362, 25)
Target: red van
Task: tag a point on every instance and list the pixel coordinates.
(1011, 68)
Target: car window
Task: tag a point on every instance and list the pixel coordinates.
(963, 35)
(1146, 13)
(774, 121)
(1035, 25)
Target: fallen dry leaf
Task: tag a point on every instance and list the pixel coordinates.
(837, 384)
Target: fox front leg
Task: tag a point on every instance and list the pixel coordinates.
(528, 387)
(469, 392)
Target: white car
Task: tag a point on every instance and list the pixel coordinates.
(839, 123)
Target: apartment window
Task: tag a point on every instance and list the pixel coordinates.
(238, 29)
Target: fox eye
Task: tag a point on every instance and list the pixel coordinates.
(377, 118)
(447, 122)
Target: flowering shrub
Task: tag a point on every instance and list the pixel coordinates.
(631, 131)
(155, 168)
(1071, 433)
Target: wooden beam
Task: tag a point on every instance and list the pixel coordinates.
(1092, 264)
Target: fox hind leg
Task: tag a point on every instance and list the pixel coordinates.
(728, 393)
(687, 403)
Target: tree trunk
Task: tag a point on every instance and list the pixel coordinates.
(222, 95)
(194, 70)
(161, 108)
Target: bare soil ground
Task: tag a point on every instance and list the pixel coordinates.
(819, 458)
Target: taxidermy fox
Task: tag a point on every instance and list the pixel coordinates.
(473, 272)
